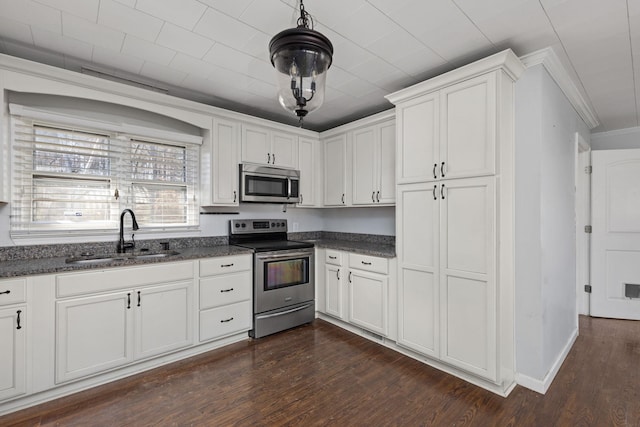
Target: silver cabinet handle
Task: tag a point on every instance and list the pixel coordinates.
(442, 169)
(373, 196)
(435, 165)
(434, 192)
(442, 191)
(378, 196)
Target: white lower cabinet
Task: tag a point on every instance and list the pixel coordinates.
(112, 322)
(12, 351)
(225, 296)
(357, 290)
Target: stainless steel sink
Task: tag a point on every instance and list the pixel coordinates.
(106, 258)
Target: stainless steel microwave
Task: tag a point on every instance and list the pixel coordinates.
(267, 184)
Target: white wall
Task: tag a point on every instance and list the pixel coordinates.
(372, 220)
(616, 139)
(546, 313)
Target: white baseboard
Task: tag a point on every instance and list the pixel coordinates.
(542, 385)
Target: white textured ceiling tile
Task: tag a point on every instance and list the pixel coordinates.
(192, 66)
(418, 62)
(337, 76)
(348, 55)
(65, 45)
(162, 73)
(263, 89)
(181, 40)
(376, 70)
(16, 31)
(365, 24)
(325, 11)
(115, 59)
(357, 88)
(228, 58)
(147, 51)
(31, 13)
(224, 29)
(262, 70)
(87, 9)
(90, 32)
(257, 46)
(268, 16)
(131, 21)
(129, 3)
(33, 53)
(232, 8)
(185, 13)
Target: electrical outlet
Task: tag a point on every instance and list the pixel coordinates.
(295, 226)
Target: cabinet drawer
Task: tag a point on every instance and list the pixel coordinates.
(226, 320)
(369, 263)
(12, 291)
(224, 265)
(333, 257)
(122, 278)
(226, 289)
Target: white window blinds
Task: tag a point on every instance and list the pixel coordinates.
(79, 180)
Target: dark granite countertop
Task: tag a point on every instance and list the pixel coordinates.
(35, 266)
(364, 248)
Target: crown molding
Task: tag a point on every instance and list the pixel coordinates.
(548, 58)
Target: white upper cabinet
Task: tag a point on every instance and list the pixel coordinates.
(468, 128)
(308, 162)
(335, 171)
(225, 162)
(264, 146)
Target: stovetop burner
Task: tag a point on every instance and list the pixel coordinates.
(263, 235)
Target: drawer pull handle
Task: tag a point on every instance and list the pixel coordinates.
(226, 290)
(6, 292)
(365, 263)
(333, 257)
(226, 320)
(226, 265)
(18, 320)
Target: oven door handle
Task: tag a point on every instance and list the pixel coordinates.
(286, 255)
(282, 313)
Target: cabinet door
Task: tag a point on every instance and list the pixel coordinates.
(468, 127)
(364, 170)
(307, 165)
(163, 318)
(225, 163)
(12, 352)
(368, 301)
(386, 162)
(417, 234)
(467, 276)
(256, 145)
(284, 150)
(93, 334)
(333, 291)
(335, 155)
(418, 139)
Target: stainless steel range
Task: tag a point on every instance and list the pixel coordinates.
(283, 275)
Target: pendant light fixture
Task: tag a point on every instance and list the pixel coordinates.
(301, 57)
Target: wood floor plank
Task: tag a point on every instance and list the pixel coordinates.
(319, 375)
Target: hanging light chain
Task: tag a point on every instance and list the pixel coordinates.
(305, 18)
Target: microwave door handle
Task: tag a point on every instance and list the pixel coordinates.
(288, 188)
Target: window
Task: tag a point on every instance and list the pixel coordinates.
(80, 179)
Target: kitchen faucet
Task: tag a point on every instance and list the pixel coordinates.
(122, 246)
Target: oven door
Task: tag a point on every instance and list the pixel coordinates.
(283, 278)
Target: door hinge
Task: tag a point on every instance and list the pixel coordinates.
(588, 229)
(587, 288)
(588, 169)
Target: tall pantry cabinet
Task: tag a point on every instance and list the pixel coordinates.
(454, 219)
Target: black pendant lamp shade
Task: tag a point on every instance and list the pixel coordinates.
(302, 57)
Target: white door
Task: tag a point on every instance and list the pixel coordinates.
(307, 164)
(256, 145)
(364, 166)
(225, 162)
(417, 228)
(335, 157)
(387, 163)
(615, 250)
(368, 301)
(163, 319)
(333, 291)
(93, 334)
(12, 352)
(284, 150)
(467, 275)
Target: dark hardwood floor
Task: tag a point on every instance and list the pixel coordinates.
(321, 375)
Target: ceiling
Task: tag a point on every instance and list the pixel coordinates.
(215, 51)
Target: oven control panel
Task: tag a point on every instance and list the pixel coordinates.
(243, 226)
